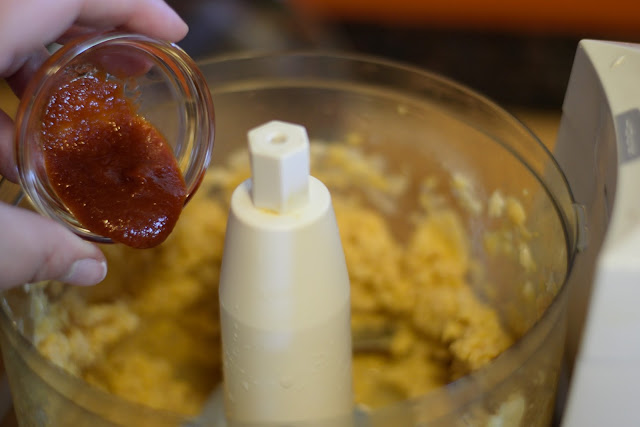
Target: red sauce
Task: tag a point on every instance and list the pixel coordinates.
(112, 169)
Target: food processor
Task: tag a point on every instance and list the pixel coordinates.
(597, 148)
(536, 225)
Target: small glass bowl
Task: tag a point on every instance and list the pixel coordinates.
(161, 79)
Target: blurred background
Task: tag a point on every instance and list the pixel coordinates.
(516, 52)
(519, 53)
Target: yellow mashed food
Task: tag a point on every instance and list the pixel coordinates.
(150, 332)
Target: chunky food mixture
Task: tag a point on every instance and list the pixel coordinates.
(150, 332)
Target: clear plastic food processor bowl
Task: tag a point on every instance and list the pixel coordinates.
(426, 129)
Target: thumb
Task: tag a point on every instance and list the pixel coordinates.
(34, 248)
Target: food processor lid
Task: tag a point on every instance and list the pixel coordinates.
(598, 147)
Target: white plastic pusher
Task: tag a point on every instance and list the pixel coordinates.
(284, 292)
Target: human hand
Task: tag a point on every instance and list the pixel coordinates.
(34, 248)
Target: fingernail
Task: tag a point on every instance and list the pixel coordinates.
(86, 272)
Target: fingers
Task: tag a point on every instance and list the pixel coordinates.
(151, 17)
(29, 24)
(73, 32)
(7, 159)
(18, 81)
(35, 248)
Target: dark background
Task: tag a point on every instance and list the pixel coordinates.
(528, 68)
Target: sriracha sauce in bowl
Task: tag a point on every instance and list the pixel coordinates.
(113, 136)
